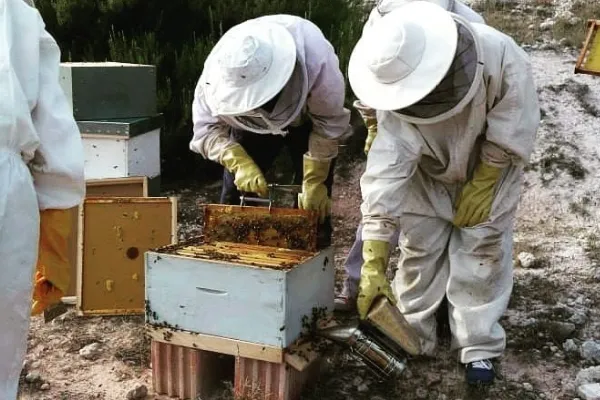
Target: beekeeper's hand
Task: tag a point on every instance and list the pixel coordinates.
(52, 277)
(248, 177)
(314, 192)
(369, 118)
(475, 201)
(373, 282)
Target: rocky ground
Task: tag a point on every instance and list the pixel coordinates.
(552, 321)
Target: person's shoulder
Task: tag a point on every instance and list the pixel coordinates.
(493, 39)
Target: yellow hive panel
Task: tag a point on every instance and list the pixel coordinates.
(588, 61)
(114, 235)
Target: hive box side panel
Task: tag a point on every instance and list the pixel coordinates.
(105, 157)
(311, 286)
(144, 154)
(215, 298)
(115, 234)
(72, 243)
(118, 187)
(108, 90)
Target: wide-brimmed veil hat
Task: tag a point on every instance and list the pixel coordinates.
(403, 56)
(386, 6)
(248, 66)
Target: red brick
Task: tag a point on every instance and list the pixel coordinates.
(187, 373)
(261, 380)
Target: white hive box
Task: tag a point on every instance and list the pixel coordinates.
(250, 293)
(121, 148)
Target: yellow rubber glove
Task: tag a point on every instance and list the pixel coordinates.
(371, 124)
(314, 192)
(248, 177)
(475, 201)
(369, 118)
(52, 277)
(373, 282)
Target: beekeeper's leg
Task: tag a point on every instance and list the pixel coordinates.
(420, 281)
(263, 149)
(19, 235)
(480, 280)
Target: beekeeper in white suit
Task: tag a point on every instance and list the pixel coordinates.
(41, 175)
(457, 114)
(271, 82)
(346, 300)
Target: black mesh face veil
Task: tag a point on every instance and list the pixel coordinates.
(277, 113)
(456, 83)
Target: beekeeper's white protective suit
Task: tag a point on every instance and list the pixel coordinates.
(41, 167)
(354, 259)
(416, 170)
(315, 90)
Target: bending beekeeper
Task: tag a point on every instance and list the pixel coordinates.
(346, 301)
(271, 82)
(457, 114)
(41, 175)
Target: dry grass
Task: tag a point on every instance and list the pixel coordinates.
(521, 20)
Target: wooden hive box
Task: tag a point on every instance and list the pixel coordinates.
(99, 90)
(120, 148)
(245, 292)
(114, 234)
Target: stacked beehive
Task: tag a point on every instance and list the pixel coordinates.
(238, 297)
(114, 105)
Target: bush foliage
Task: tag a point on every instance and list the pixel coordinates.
(176, 36)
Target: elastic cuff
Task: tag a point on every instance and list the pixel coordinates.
(468, 355)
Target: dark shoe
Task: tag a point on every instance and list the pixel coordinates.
(480, 372)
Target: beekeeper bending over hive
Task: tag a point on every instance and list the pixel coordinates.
(270, 82)
(347, 299)
(41, 175)
(457, 115)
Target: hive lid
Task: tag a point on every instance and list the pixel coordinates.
(276, 227)
(239, 253)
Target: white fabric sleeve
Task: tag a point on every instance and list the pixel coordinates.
(391, 163)
(467, 12)
(325, 103)
(211, 136)
(58, 164)
(514, 113)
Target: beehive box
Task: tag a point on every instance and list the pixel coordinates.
(251, 293)
(113, 234)
(101, 90)
(122, 148)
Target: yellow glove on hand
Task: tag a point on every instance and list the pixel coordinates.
(248, 177)
(52, 277)
(373, 282)
(475, 201)
(314, 192)
(371, 124)
(369, 118)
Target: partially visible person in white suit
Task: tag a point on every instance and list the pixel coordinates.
(346, 300)
(41, 176)
(457, 116)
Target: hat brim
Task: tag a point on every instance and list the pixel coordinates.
(226, 99)
(441, 37)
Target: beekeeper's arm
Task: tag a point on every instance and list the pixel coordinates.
(212, 141)
(58, 173)
(391, 164)
(512, 123)
(325, 106)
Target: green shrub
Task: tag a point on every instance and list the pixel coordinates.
(176, 36)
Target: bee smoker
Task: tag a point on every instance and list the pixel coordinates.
(381, 341)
